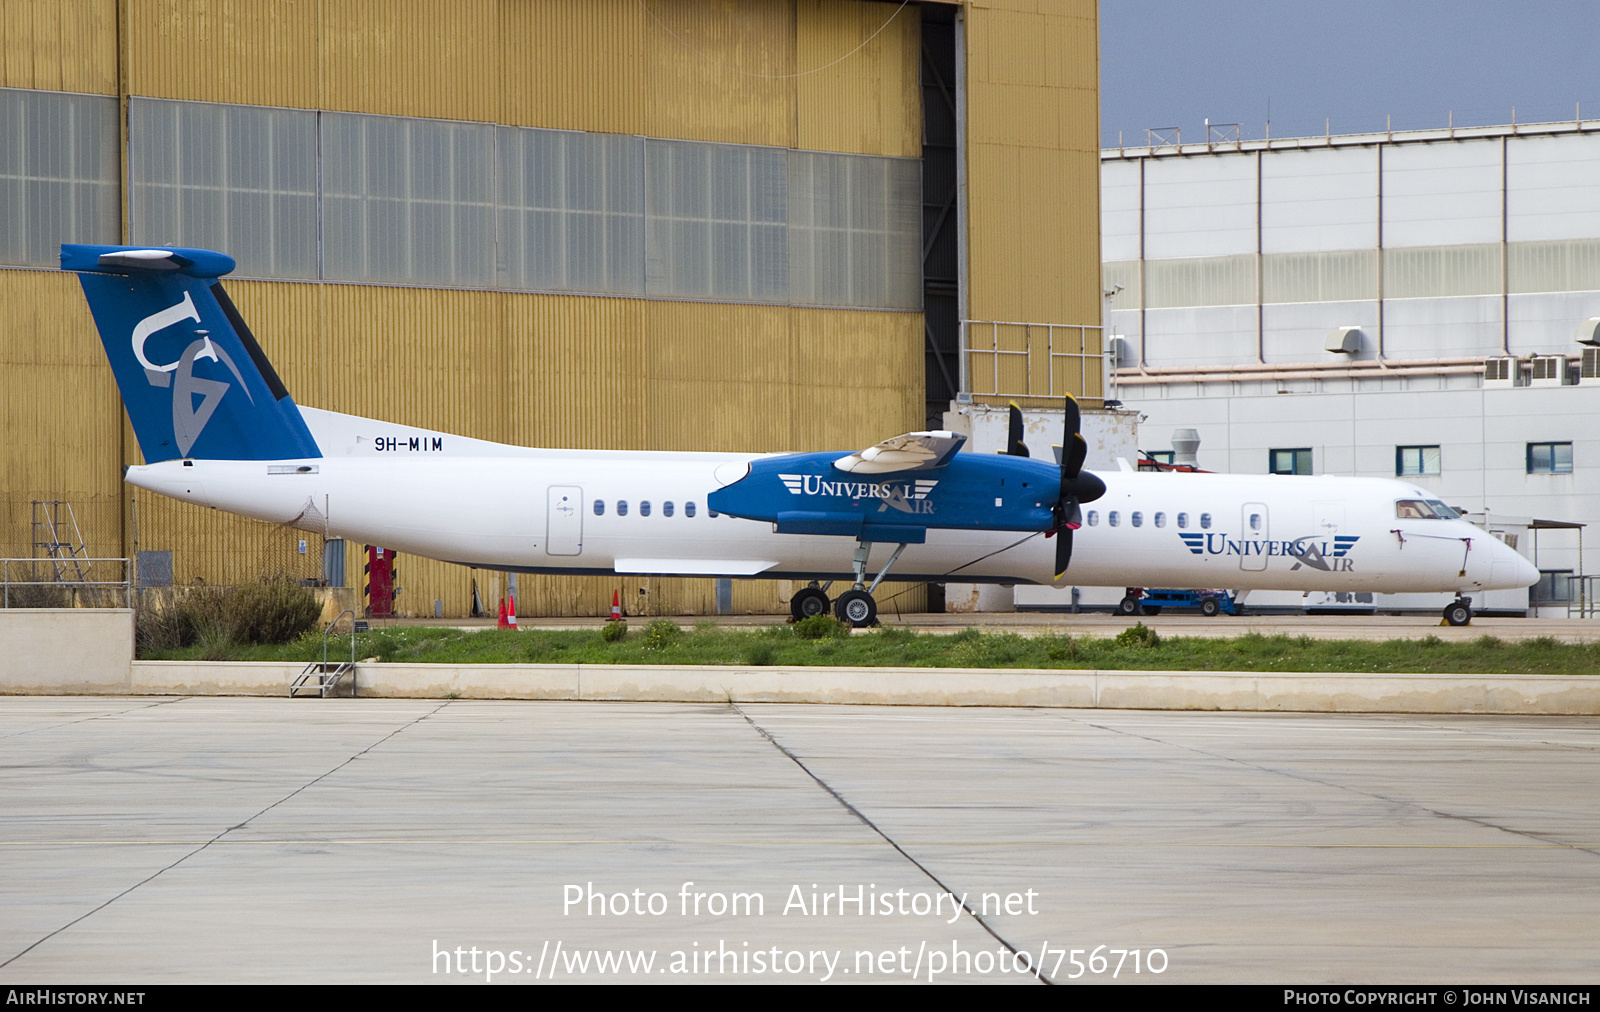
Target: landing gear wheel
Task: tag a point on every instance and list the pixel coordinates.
(1458, 613)
(1150, 609)
(1209, 607)
(856, 608)
(1128, 606)
(807, 602)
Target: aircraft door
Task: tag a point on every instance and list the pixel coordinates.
(1253, 536)
(564, 521)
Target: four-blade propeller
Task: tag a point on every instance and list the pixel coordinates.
(1077, 485)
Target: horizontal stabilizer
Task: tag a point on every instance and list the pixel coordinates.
(914, 451)
(692, 567)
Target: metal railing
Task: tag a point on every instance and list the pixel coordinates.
(41, 583)
(1034, 359)
(1581, 601)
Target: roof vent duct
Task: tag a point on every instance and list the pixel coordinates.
(1185, 446)
(1344, 340)
(1589, 331)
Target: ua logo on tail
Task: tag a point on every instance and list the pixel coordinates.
(161, 314)
(187, 420)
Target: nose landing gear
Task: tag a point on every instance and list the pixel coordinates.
(1459, 611)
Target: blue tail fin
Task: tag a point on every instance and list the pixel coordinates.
(191, 374)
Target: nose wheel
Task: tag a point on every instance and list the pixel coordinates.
(1459, 611)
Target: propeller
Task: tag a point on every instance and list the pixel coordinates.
(1014, 444)
(1077, 485)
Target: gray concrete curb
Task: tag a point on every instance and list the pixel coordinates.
(1137, 690)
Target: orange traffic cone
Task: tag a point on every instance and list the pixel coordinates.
(511, 613)
(502, 624)
(616, 607)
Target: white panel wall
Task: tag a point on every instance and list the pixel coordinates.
(1313, 201)
(1200, 206)
(1554, 187)
(1207, 335)
(1119, 210)
(1442, 328)
(1441, 193)
(1298, 332)
(1546, 324)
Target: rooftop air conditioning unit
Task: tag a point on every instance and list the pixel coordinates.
(1591, 363)
(1548, 371)
(1501, 372)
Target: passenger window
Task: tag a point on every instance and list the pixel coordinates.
(713, 514)
(688, 509)
(599, 507)
(1094, 518)
(666, 508)
(1183, 520)
(1412, 509)
(1205, 521)
(622, 507)
(1161, 520)
(1112, 519)
(1137, 519)
(1255, 521)
(644, 507)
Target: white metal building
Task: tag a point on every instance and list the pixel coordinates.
(1423, 304)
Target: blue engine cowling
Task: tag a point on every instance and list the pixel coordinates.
(805, 493)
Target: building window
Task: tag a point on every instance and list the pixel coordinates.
(227, 177)
(1296, 461)
(599, 507)
(1549, 458)
(1553, 587)
(407, 200)
(571, 211)
(58, 174)
(1416, 460)
(1160, 456)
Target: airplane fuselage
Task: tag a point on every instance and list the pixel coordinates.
(606, 512)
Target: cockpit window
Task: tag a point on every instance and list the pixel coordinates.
(1442, 511)
(1417, 509)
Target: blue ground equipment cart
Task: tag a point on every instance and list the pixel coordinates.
(1151, 602)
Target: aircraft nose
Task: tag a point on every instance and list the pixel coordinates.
(1527, 572)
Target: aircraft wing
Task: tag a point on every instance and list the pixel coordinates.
(693, 567)
(913, 451)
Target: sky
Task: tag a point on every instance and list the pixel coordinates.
(1346, 64)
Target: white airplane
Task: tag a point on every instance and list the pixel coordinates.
(218, 429)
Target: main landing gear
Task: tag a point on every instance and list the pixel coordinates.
(855, 606)
(1459, 611)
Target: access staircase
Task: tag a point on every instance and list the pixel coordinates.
(322, 678)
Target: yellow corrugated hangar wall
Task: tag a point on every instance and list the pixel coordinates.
(540, 368)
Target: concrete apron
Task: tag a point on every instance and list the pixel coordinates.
(1135, 690)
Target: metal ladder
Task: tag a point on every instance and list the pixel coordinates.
(50, 535)
(322, 678)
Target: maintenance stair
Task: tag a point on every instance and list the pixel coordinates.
(322, 678)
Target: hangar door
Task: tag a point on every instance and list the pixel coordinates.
(564, 521)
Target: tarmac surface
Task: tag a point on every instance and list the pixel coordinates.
(235, 840)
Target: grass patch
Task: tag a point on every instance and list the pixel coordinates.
(665, 643)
